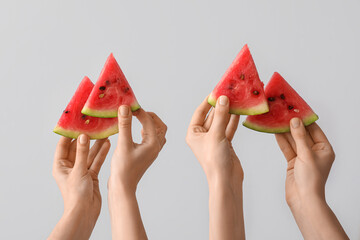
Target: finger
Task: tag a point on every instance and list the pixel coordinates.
(161, 127)
(292, 142)
(221, 116)
(100, 157)
(285, 146)
(124, 121)
(317, 134)
(290, 139)
(209, 119)
(299, 134)
(232, 126)
(200, 113)
(95, 150)
(149, 130)
(72, 151)
(62, 148)
(82, 152)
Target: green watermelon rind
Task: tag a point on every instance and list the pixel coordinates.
(106, 113)
(306, 120)
(256, 110)
(95, 135)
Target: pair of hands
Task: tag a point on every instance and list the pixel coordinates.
(309, 156)
(76, 169)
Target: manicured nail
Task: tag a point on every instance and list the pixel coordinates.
(295, 122)
(124, 111)
(83, 139)
(223, 100)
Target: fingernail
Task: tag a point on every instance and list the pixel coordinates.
(124, 111)
(295, 122)
(83, 139)
(223, 100)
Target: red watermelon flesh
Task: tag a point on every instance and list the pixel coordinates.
(72, 122)
(242, 85)
(285, 103)
(110, 91)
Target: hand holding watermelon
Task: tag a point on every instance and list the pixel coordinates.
(128, 165)
(76, 170)
(310, 156)
(210, 140)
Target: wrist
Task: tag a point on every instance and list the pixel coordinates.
(220, 183)
(306, 205)
(78, 225)
(218, 178)
(120, 186)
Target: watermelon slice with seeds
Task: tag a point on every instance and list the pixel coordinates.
(72, 122)
(285, 103)
(110, 91)
(242, 85)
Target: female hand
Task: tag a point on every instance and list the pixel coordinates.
(210, 140)
(310, 156)
(76, 170)
(128, 165)
(131, 160)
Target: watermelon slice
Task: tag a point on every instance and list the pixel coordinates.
(110, 91)
(242, 85)
(72, 122)
(285, 103)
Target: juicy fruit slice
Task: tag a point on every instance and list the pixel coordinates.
(110, 91)
(242, 85)
(72, 122)
(285, 103)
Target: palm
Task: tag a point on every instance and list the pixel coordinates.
(75, 185)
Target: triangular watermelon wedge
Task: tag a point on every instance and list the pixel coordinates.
(72, 122)
(242, 85)
(285, 103)
(111, 90)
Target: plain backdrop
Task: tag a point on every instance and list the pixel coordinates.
(173, 53)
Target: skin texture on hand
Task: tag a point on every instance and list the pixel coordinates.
(310, 157)
(76, 170)
(128, 165)
(210, 140)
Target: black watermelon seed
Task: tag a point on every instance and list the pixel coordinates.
(255, 92)
(282, 96)
(107, 82)
(65, 111)
(126, 89)
(102, 88)
(290, 107)
(83, 116)
(242, 76)
(271, 99)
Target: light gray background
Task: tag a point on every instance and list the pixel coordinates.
(173, 53)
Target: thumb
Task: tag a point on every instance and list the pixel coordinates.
(124, 122)
(82, 153)
(221, 117)
(299, 135)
